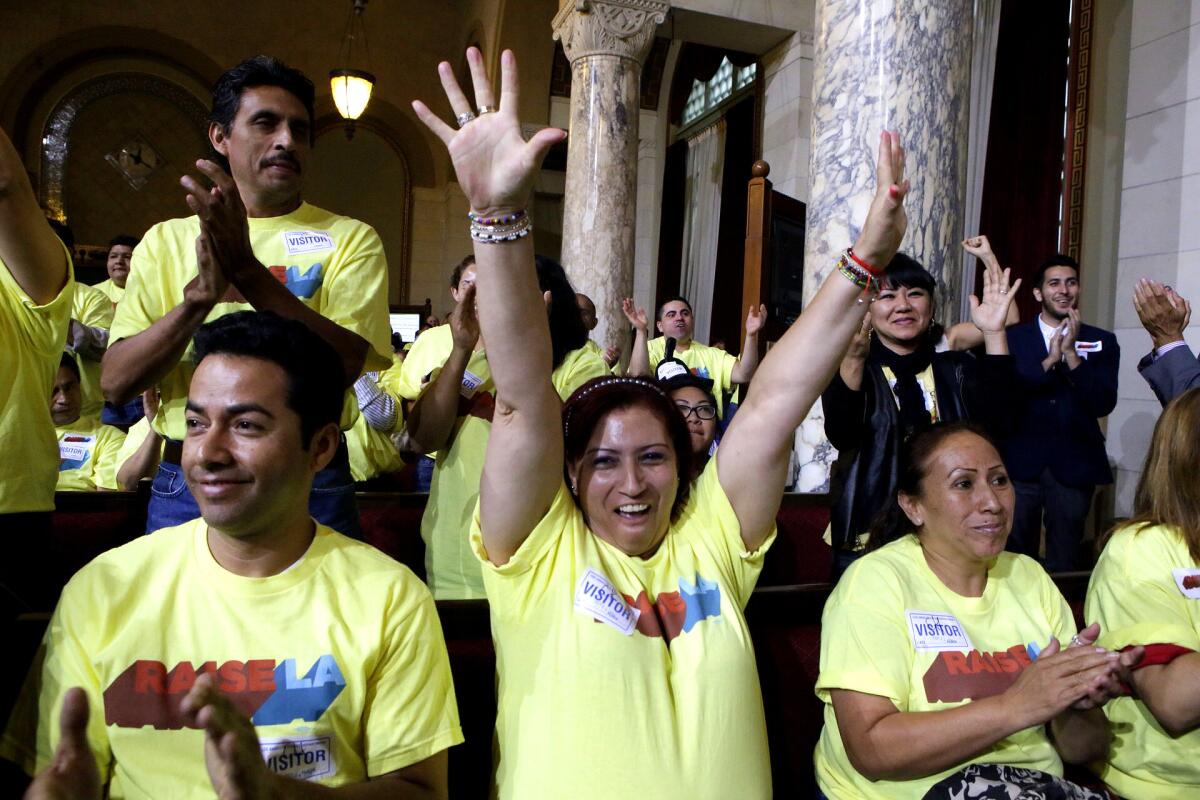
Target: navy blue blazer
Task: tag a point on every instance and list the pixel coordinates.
(1056, 417)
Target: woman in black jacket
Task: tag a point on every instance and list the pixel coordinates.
(895, 380)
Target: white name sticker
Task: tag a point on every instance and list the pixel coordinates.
(936, 631)
(595, 597)
(76, 447)
(1083, 348)
(470, 382)
(1188, 581)
(302, 759)
(306, 241)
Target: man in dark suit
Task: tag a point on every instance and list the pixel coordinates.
(1170, 368)
(1055, 453)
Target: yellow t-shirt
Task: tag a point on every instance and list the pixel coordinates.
(371, 451)
(429, 352)
(451, 569)
(628, 677)
(94, 309)
(134, 439)
(334, 264)
(340, 685)
(89, 455)
(702, 360)
(1139, 594)
(891, 628)
(113, 292)
(31, 341)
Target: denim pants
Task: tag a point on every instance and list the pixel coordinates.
(331, 501)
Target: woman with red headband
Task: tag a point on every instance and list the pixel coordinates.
(616, 588)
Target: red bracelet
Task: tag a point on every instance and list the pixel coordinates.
(875, 272)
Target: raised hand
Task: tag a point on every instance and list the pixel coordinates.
(72, 773)
(1163, 313)
(860, 345)
(211, 283)
(1071, 332)
(464, 324)
(231, 752)
(991, 314)
(150, 402)
(636, 316)
(222, 216)
(886, 220)
(494, 164)
(612, 354)
(981, 248)
(755, 319)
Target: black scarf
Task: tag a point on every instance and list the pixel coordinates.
(914, 416)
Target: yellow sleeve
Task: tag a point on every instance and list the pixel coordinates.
(655, 348)
(43, 328)
(865, 645)
(62, 663)
(109, 443)
(579, 367)
(354, 295)
(143, 303)
(549, 531)
(92, 307)
(419, 362)
(410, 712)
(133, 440)
(1133, 595)
(724, 369)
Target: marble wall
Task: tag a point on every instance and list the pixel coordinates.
(787, 113)
(1160, 203)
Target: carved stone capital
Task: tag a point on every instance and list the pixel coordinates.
(623, 28)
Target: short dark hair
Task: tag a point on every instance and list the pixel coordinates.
(123, 239)
(589, 404)
(316, 386)
(566, 323)
(459, 269)
(916, 456)
(1056, 260)
(904, 270)
(658, 312)
(67, 361)
(258, 71)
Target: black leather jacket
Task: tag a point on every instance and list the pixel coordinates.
(864, 427)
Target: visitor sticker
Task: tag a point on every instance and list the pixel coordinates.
(937, 631)
(306, 241)
(302, 759)
(1083, 348)
(470, 382)
(595, 597)
(1188, 581)
(74, 450)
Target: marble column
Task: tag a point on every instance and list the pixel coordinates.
(904, 65)
(606, 42)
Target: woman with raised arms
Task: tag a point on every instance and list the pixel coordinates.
(616, 585)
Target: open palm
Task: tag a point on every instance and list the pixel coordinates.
(991, 313)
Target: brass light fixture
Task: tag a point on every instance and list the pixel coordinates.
(351, 86)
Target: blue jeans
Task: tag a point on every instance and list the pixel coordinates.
(331, 501)
(125, 415)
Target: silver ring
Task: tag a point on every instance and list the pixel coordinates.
(486, 110)
(1076, 641)
(1004, 291)
(464, 118)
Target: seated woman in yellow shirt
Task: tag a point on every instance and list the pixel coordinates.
(616, 586)
(941, 662)
(1145, 590)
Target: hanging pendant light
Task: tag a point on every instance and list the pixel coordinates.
(351, 86)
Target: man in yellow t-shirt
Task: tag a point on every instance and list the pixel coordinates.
(587, 310)
(891, 628)
(87, 339)
(238, 627)
(252, 244)
(674, 320)
(88, 451)
(1145, 590)
(36, 289)
(120, 251)
(380, 414)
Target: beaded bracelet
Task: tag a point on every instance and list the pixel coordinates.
(506, 228)
(479, 219)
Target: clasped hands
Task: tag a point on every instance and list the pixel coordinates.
(223, 250)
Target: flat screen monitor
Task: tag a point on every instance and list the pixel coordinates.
(405, 324)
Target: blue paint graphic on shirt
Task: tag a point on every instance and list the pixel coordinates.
(304, 698)
(703, 600)
(304, 284)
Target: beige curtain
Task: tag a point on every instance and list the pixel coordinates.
(702, 196)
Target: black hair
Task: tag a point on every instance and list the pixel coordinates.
(1056, 260)
(459, 269)
(397, 342)
(915, 456)
(566, 324)
(123, 239)
(258, 71)
(67, 361)
(316, 386)
(658, 312)
(904, 270)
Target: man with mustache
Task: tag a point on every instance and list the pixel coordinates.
(1055, 455)
(269, 251)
